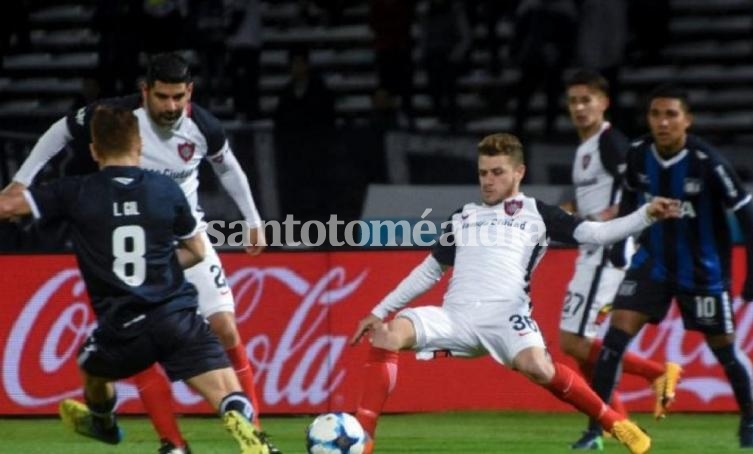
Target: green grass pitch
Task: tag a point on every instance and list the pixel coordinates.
(436, 433)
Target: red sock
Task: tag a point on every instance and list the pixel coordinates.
(157, 398)
(616, 403)
(380, 376)
(570, 387)
(245, 374)
(631, 363)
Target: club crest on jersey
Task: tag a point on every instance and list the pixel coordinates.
(513, 206)
(186, 150)
(692, 186)
(586, 161)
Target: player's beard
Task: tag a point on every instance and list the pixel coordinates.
(169, 118)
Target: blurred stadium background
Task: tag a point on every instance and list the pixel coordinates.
(362, 149)
(60, 55)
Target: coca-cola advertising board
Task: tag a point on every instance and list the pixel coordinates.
(296, 312)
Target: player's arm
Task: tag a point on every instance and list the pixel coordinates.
(564, 227)
(190, 251)
(421, 279)
(728, 184)
(49, 144)
(609, 232)
(190, 248)
(13, 205)
(234, 180)
(744, 215)
(49, 201)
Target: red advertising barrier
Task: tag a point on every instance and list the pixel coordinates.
(296, 312)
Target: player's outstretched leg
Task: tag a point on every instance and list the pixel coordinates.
(664, 388)
(244, 433)
(380, 377)
(570, 387)
(81, 420)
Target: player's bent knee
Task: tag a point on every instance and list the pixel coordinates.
(398, 334)
(535, 364)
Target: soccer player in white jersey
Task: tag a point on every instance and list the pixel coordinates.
(596, 177)
(494, 247)
(177, 135)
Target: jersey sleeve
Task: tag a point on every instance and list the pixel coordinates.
(53, 200)
(733, 193)
(630, 175)
(613, 147)
(443, 249)
(211, 128)
(79, 121)
(559, 224)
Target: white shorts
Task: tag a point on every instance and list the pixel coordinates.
(209, 279)
(589, 297)
(500, 328)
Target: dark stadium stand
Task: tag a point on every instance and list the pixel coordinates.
(709, 49)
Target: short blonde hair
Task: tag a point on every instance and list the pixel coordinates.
(502, 144)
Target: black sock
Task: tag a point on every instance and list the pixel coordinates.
(608, 366)
(103, 413)
(239, 402)
(738, 374)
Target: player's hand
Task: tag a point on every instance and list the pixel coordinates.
(14, 188)
(663, 208)
(370, 322)
(568, 206)
(257, 241)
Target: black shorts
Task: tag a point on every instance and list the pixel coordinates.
(707, 312)
(180, 341)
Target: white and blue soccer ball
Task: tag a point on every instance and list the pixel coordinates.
(335, 433)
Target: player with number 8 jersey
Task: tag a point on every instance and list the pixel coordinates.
(177, 135)
(125, 222)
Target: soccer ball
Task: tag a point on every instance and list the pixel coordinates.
(335, 433)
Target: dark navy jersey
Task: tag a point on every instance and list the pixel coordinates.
(693, 253)
(124, 222)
